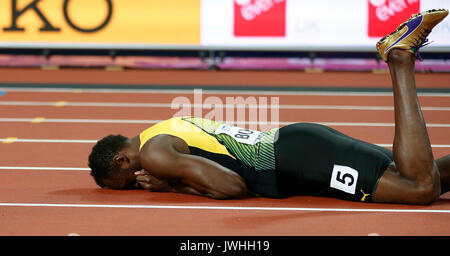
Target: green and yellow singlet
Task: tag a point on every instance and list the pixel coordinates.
(297, 159)
(248, 153)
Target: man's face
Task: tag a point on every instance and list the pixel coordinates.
(122, 179)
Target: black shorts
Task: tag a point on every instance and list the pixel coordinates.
(313, 159)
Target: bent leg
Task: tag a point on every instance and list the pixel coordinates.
(415, 177)
(443, 164)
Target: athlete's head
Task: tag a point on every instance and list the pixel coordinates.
(113, 163)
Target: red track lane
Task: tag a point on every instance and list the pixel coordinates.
(160, 113)
(77, 187)
(73, 185)
(158, 222)
(87, 131)
(60, 155)
(93, 131)
(212, 78)
(45, 154)
(285, 99)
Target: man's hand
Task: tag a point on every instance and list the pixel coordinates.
(149, 182)
(168, 157)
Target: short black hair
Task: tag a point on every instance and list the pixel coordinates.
(101, 157)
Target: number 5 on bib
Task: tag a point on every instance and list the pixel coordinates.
(344, 178)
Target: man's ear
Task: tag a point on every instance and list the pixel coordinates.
(120, 159)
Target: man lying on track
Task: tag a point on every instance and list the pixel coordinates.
(202, 157)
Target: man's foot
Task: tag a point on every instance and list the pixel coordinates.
(411, 34)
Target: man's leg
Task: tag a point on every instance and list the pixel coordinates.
(415, 177)
(443, 164)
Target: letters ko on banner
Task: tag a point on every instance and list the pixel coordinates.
(386, 15)
(260, 18)
(100, 21)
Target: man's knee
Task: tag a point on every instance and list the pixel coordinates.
(428, 191)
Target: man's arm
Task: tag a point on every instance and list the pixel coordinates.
(149, 182)
(167, 157)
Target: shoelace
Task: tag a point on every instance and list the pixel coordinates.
(421, 42)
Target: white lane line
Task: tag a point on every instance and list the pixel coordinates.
(14, 140)
(205, 106)
(131, 121)
(62, 120)
(25, 168)
(374, 124)
(11, 140)
(217, 91)
(189, 207)
(432, 145)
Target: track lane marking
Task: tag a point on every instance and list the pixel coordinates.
(37, 120)
(9, 140)
(131, 121)
(233, 208)
(218, 91)
(205, 106)
(26, 168)
(16, 139)
(60, 103)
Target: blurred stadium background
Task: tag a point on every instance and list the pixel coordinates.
(72, 71)
(325, 35)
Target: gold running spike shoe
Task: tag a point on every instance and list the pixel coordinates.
(411, 34)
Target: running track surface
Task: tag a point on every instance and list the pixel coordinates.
(46, 136)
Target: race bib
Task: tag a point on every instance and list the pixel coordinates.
(241, 135)
(344, 178)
